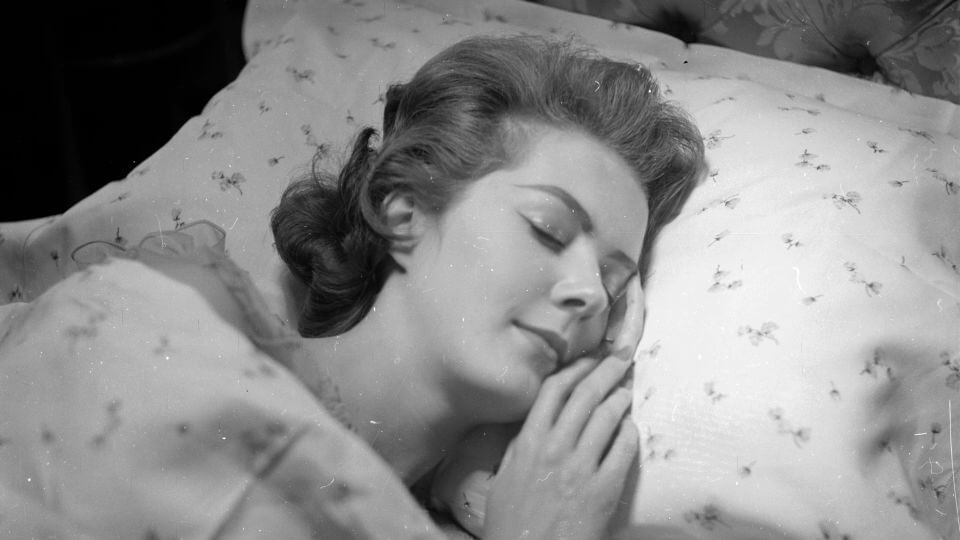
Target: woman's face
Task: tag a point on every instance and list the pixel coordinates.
(517, 277)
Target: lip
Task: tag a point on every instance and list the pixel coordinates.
(552, 339)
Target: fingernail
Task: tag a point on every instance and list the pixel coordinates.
(625, 354)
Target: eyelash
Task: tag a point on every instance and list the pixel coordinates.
(556, 245)
(546, 238)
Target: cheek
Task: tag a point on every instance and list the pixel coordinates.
(504, 265)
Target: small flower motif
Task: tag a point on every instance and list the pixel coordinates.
(710, 389)
(301, 75)
(872, 288)
(259, 440)
(112, 424)
(647, 394)
(709, 517)
(847, 199)
(208, 131)
(177, 215)
(806, 161)
(805, 158)
(16, 295)
(898, 183)
(811, 112)
(649, 354)
(385, 45)
(830, 531)
(952, 363)
(799, 435)
(834, 393)
(730, 203)
(714, 139)
(718, 237)
(945, 259)
(876, 365)
(875, 146)
(939, 491)
(756, 336)
(810, 300)
(227, 182)
(790, 241)
(720, 285)
(905, 501)
(952, 187)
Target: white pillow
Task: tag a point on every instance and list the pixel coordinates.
(801, 353)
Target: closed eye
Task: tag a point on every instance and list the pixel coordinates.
(545, 237)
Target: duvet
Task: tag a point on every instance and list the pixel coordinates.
(133, 409)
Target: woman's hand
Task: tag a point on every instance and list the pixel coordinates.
(564, 473)
(464, 483)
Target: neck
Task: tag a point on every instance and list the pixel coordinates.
(385, 384)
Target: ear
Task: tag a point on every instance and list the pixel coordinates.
(405, 219)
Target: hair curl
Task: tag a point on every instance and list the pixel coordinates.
(456, 121)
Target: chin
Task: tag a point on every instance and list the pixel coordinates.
(510, 400)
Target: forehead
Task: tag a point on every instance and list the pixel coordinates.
(593, 174)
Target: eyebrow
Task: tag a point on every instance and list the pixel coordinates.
(567, 199)
(583, 216)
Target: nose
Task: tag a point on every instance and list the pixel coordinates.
(580, 288)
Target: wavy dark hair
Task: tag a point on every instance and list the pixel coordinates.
(456, 121)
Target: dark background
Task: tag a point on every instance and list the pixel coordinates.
(98, 86)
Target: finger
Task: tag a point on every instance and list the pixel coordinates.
(622, 453)
(631, 327)
(601, 429)
(554, 393)
(587, 395)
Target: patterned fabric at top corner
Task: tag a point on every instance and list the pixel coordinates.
(910, 45)
(133, 408)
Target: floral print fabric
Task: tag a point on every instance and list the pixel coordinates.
(911, 45)
(133, 410)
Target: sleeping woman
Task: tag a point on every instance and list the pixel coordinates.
(462, 274)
